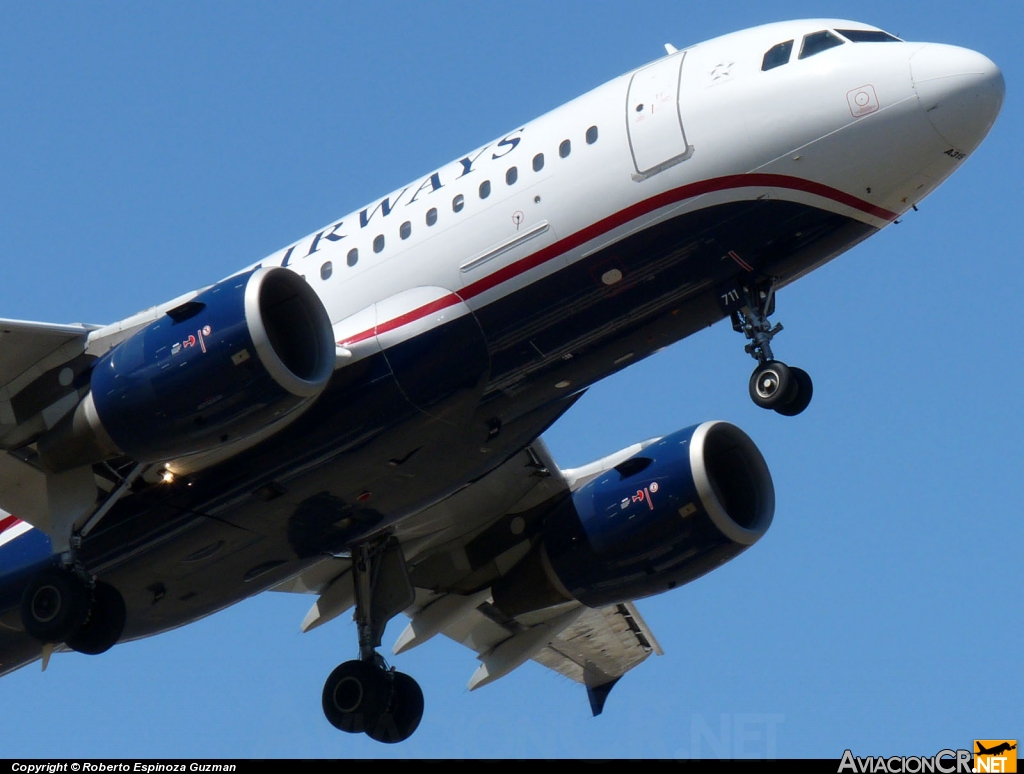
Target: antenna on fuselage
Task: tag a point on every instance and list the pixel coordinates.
(670, 49)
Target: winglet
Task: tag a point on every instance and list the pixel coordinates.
(599, 685)
(598, 695)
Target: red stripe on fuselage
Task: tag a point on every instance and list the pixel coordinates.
(9, 521)
(404, 319)
(434, 306)
(621, 218)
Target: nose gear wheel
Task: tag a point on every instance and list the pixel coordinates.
(770, 384)
(773, 385)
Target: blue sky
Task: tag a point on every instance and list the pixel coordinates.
(147, 149)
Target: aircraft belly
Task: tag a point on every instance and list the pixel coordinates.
(219, 562)
(664, 278)
(364, 457)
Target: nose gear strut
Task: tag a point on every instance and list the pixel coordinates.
(773, 385)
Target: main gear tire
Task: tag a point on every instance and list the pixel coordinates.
(355, 695)
(54, 605)
(104, 625)
(403, 714)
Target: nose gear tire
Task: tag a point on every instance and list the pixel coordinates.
(803, 390)
(770, 384)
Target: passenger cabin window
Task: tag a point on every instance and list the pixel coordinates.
(485, 189)
(458, 203)
(511, 176)
(353, 257)
(817, 42)
(565, 148)
(405, 230)
(591, 135)
(378, 243)
(868, 36)
(431, 216)
(326, 271)
(776, 56)
(538, 162)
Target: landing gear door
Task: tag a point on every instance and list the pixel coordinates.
(656, 136)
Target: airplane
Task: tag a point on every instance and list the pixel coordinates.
(999, 748)
(359, 415)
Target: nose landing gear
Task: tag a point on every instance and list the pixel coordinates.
(773, 385)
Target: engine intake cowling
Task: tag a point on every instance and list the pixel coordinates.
(683, 506)
(241, 355)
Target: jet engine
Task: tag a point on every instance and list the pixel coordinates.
(678, 509)
(240, 356)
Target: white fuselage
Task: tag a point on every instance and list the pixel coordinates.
(800, 122)
(863, 130)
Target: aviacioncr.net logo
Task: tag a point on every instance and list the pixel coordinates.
(943, 762)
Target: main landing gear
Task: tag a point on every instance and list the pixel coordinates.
(365, 696)
(787, 390)
(60, 606)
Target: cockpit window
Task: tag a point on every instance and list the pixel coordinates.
(776, 56)
(868, 36)
(817, 42)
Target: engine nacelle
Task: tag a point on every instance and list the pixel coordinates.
(240, 356)
(678, 509)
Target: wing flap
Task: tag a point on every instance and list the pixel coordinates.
(459, 546)
(606, 642)
(593, 647)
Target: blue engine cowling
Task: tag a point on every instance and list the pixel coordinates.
(241, 355)
(678, 509)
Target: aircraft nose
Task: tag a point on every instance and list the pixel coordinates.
(960, 90)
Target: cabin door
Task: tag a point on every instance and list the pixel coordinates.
(656, 136)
